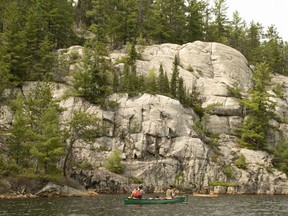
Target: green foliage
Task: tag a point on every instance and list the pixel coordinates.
(225, 184)
(278, 90)
(175, 77)
(114, 163)
(8, 168)
(195, 20)
(241, 162)
(136, 180)
(92, 79)
(31, 34)
(151, 82)
(5, 77)
(253, 132)
(218, 30)
(35, 138)
(31, 31)
(179, 179)
(228, 171)
(280, 159)
(84, 165)
(82, 126)
(196, 103)
(103, 148)
(163, 82)
(234, 91)
(134, 127)
(112, 104)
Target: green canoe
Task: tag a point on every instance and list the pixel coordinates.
(133, 201)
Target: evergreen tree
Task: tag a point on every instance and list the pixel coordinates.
(57, 21)
(92, 80)
(18, 150)
(123, 19)
(5, 77)
(252, 49)
(45, 142)
(271, 50)
(284, 57)
(219, 26)
(163, 82)
(35, 138)
(176, 20)
(82, 126)
(100, 20)
(175, 78)
(144, 7)
(237, 32)
(195, 20)
(253, 132)
(151, 83)
(280, 159)
(157, 23)
(131, 83)
(81, 9)
(13, 46)
(181, 92)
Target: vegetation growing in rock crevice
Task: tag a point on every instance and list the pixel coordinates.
(253, 132)
(114, 163)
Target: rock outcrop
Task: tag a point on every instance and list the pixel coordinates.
(156, 134)
(55, 190)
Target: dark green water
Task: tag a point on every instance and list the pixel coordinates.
(113, 205)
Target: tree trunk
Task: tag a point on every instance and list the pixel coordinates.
(67, 157)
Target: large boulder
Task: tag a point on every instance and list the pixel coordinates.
(55, 190)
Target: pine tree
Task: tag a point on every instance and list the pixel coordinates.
(18, 151)
(144, 8)
(163, 82)
(100, 20)
(45, 143)
(157, 23)
(57, 21)
(175, 77)
(81, 9)
(123, 21)
(252, 49)
(253, 132)
(82, 126)
(181, 92)
(271, 50)
(151, 83)
(5, 77)
(219, 27)
(176, 20)
(92, 79)
(13, 46)
(131, 83)
(237, 32)
(35, 138)
(195, 20)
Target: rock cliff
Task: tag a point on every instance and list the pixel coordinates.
(155, 133)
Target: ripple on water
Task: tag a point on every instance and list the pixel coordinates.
(113, 205)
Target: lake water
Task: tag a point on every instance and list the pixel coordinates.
(222, 205)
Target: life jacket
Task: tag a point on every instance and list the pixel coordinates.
(136, 193)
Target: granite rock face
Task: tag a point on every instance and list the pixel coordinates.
(155, 133)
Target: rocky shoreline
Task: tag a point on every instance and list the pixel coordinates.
(51, 190)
